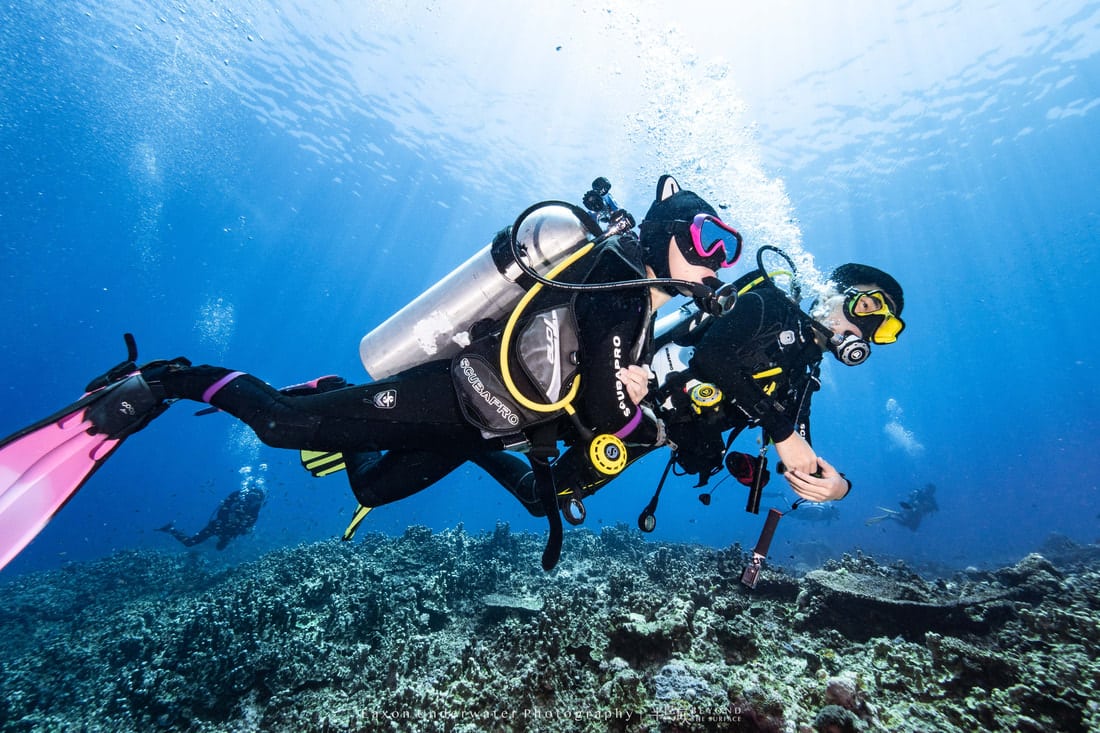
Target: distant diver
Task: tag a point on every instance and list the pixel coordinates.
(234, 517)
(919, 503)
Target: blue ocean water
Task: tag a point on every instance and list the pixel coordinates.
(259, 184)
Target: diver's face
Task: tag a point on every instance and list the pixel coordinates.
(678, 268)
(681, 269)
(836, 320)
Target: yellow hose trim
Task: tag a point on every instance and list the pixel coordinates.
(769, 389)
(768, 373)
(757, 281)
(564, 403)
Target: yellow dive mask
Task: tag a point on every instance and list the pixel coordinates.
(871, 311)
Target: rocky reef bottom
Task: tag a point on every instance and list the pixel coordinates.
(454, 632)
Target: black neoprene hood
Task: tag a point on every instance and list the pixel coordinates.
(852, 273)
(658, 226)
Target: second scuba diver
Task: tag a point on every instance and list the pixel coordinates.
(764, 356)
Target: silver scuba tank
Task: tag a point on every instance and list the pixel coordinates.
(668, 355)
(487, 286)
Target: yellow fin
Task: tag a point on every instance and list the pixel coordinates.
(322, 463)
(361, 513)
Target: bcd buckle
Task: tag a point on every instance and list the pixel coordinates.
(517, 443)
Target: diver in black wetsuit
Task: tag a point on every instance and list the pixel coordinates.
(764, 356)
(235, 516)
(761, 360)
(433, 417)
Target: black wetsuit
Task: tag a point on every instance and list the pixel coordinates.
(764, 358)
(235, 516)
(422, 416)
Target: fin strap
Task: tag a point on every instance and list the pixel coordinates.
(120, 371)
(123, 408)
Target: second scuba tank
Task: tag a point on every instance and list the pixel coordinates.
(436, 325)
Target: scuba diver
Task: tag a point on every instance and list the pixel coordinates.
(764, 358)
(756, 364)
(235, 516)
(920, 502)
(513, 381)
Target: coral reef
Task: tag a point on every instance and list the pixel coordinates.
(453, 632)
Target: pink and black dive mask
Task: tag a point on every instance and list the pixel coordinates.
(714, 241)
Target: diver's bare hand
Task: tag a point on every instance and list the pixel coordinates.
(635, 379)
(828, 485)
(796, 454)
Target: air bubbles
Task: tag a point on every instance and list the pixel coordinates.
(216, 323)
(900, 436)
(253, 477)
(245, 443)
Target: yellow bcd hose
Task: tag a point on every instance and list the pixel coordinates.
(606, 452)
(564, 403)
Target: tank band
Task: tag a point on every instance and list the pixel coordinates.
(214, 388)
